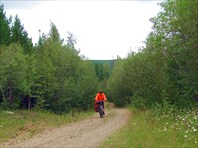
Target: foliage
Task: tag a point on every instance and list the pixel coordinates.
(13, 32)
(177, 26)
(4, 27)
(65, 86)
(117, 89)
(103, 70)
(69, 81)
(13, 67)
(106, 62)
(166, 68)
(20, 36)
(50, 75)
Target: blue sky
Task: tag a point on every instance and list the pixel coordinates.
(103, 29)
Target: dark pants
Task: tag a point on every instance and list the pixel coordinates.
(101, 103)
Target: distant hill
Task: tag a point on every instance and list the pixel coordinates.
(110, 62)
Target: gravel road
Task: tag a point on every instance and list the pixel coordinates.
(90, 132)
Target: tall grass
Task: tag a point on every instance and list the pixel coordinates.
(159, 127)
(27, 123)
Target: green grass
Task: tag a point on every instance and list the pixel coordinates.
(157, 129)
(28, 123)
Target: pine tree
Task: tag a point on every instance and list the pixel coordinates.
(19, 35)
(4, 27)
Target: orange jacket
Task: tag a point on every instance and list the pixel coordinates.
(100, 97)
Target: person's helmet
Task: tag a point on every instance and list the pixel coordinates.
(100, 92)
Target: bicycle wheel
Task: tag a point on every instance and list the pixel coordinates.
(100, 110)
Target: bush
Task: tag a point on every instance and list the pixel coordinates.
(138, 102)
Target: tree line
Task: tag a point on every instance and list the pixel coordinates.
(52, 75)
(166, 68)
(49, 75)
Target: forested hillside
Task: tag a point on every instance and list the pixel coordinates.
(166, 70)
(110, 63)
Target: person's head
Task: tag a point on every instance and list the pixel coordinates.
(100, 92)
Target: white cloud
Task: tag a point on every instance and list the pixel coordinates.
(104, 29)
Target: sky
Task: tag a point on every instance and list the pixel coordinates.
(103, 29)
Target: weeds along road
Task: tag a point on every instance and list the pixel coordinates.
(90, 132)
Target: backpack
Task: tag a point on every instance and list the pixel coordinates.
(96, 106)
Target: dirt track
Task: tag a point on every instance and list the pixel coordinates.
(90, 132)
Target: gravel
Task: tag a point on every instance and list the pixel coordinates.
(90, 132)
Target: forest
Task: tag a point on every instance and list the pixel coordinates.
(52, 75)
(49, 75)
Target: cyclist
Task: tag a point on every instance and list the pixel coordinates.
(100, 97)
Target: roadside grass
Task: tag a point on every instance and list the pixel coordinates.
(27, 123)
(158, 128)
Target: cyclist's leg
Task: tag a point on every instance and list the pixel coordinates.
(103, 107)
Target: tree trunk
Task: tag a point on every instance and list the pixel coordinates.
(10, 93)
(2, 92)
